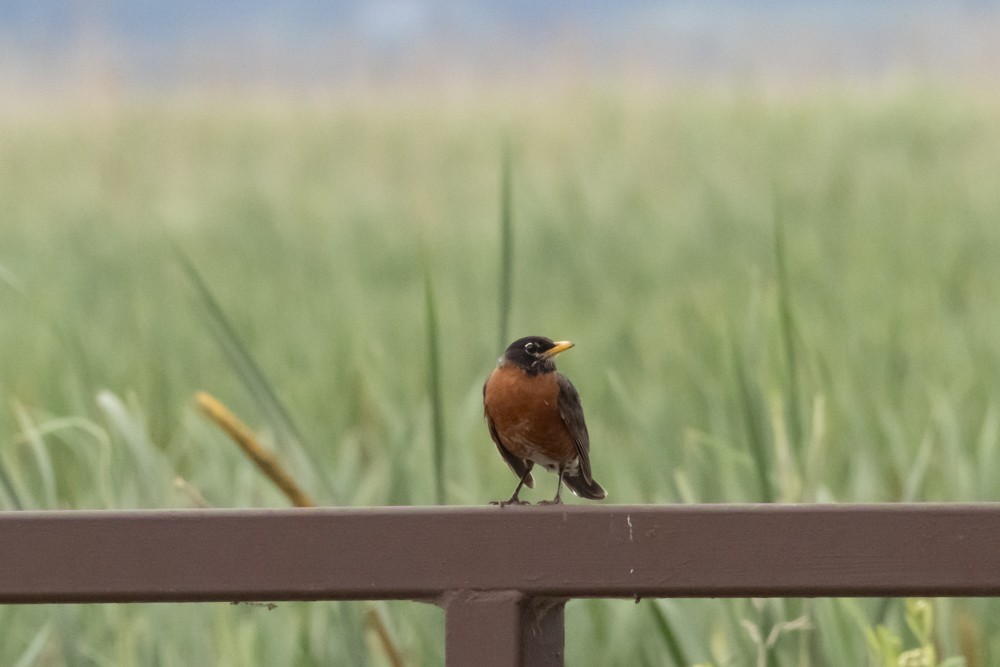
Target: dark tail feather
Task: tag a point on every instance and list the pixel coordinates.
(581, 487)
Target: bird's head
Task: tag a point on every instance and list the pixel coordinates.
(534, 354)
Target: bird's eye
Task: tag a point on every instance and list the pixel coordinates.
(529, 347)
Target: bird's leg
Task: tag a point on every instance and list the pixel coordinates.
(557, 500)
(513, 500)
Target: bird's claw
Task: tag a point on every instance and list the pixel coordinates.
(554, 501)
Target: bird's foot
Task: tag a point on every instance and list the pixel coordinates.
(554, 501)
(512, 501)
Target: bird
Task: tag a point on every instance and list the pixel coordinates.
(534, 416)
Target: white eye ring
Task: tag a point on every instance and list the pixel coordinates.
(529, 347)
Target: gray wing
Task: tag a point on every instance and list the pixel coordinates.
(519, 466)
(571, 412)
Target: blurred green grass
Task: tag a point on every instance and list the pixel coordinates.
(788, 298)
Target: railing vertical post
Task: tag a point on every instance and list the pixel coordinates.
(503, 629)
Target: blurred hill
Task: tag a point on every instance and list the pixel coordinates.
(156, 44)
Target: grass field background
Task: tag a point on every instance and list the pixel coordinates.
(788, 298)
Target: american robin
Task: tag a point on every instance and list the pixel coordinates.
(534, 415)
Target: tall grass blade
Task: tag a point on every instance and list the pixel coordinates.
(668, 635)
(434, 388)
(252, 377)
(375, 622)
(70, 632)
(8, 278)
(506, 250)
(914, 480)
(75, 352)
(986, 452)
(787, 321)
(34, 649)
(151, 471)
(755, 420)
(43, 460)
(7, 488)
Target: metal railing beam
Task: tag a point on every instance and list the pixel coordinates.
(502, 575)
(423, 553)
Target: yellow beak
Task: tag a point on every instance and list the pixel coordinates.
(560, 346)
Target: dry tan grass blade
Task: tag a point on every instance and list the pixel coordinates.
(256, 452)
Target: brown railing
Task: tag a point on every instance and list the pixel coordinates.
(501, 575)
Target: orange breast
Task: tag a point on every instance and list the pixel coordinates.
(524, 410)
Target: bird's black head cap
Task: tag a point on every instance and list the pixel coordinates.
(534, 354)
